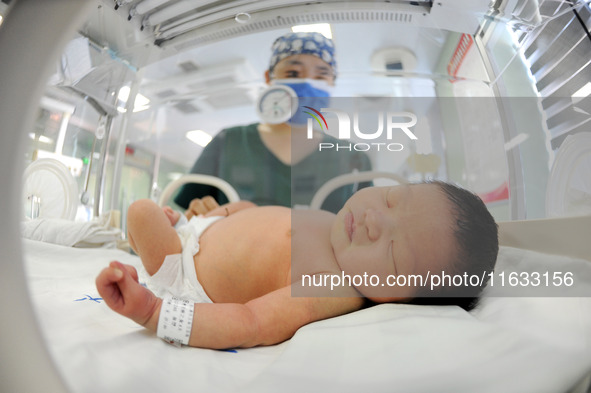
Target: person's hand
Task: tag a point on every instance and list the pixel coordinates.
(119, 287)
(172, 215)
(201, 206)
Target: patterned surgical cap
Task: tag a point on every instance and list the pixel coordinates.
(303, 44)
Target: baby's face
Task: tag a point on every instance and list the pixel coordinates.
(398, 231)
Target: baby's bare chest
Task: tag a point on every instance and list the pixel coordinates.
(246, 254)
(259, 250)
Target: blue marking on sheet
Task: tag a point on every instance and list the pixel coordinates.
(228, 350)
(88, 297)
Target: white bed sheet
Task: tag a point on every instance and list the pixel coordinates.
(507, 345)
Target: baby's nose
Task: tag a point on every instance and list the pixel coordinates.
(374, 223)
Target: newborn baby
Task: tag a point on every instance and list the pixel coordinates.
(245, 273)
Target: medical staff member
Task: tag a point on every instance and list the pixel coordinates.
(265, 163)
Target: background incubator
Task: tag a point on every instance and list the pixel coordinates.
(114, 89)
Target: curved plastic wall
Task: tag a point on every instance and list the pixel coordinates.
(29, 42)
(29, 45)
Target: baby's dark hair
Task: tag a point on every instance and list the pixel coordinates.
(476, 235)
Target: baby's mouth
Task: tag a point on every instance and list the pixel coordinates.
(349, 225)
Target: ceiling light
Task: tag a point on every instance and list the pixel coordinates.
(199, 137)
(123, 93)
(41, 138)
(141, 102)
(322, 28)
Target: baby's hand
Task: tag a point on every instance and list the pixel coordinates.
(119, 287)
(201, 206)
(172, 215)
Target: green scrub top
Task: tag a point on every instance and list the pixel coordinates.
(239, 156)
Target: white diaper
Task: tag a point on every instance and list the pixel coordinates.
(177, 274)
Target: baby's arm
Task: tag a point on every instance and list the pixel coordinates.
(267, 320)
(230, 208)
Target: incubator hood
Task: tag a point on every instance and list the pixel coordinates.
(501, 90)
(202, 64)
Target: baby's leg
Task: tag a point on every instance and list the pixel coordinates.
(151, 234)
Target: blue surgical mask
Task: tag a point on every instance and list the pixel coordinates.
(311, 92)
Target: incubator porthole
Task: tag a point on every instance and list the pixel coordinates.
(50, 190)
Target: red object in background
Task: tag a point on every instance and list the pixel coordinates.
(129, 151)
(500, 193)
(459, 55)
